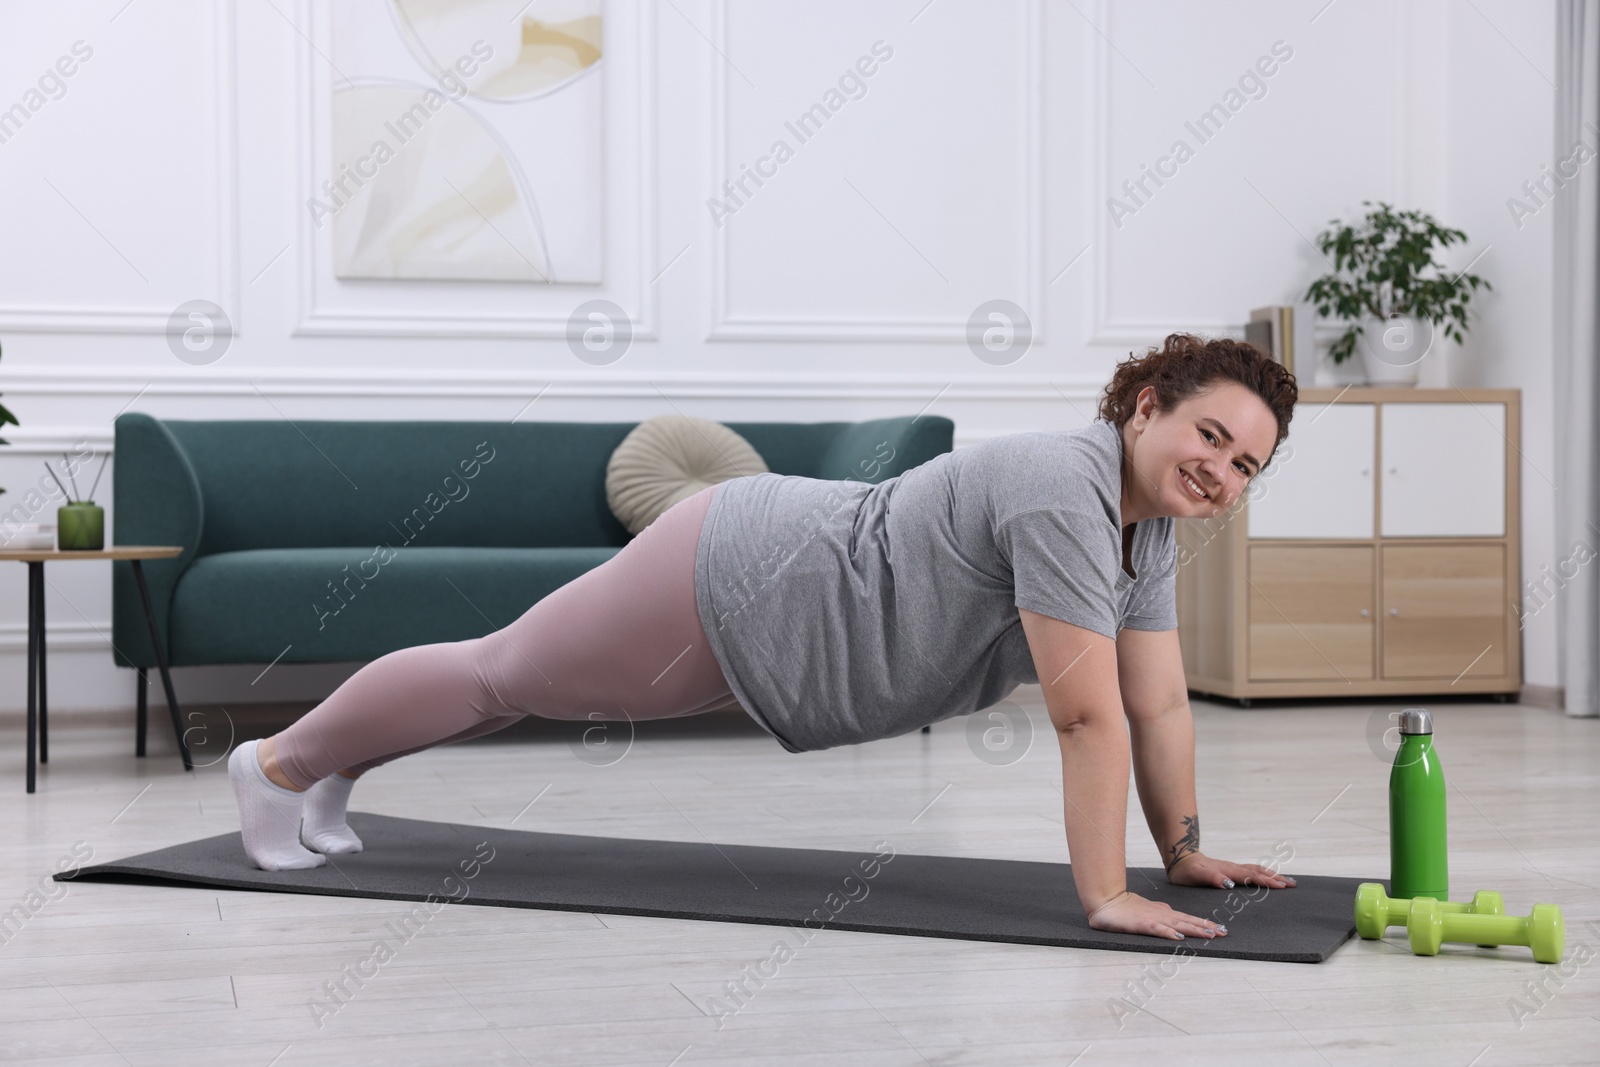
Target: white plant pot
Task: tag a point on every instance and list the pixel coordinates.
(1392, 350)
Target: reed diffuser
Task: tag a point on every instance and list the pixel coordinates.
(80, 522)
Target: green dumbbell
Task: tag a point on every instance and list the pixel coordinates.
(1428, 926)
(1376, 911)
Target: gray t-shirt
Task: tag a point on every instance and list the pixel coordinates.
(843, 612)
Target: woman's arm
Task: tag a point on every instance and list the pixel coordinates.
(1163, 761)
(1078, 673)
(1162, 729)
(1094, 787)
(1155, 698)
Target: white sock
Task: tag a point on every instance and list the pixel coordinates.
(322, 816)
(269, 815)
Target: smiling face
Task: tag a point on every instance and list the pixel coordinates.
(1163, 451)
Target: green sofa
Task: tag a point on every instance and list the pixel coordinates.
(345, 540)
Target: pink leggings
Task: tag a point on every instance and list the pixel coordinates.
(623, 640)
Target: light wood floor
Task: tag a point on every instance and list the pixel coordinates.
(169, 976)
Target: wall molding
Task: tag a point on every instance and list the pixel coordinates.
(138, 320)
(726, 326)
(55, 440)
(59, 637)
(1105, 330)
(312, 81)
(108, 380)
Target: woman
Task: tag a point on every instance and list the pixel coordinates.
(838, 612)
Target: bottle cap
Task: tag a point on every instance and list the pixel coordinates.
(1416, 721)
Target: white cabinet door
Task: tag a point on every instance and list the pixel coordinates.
(1443, 470)
(1320, 482)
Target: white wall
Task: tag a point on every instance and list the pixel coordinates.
(976, 166)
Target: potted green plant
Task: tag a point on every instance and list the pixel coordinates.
(5, 417)
(1381, 286)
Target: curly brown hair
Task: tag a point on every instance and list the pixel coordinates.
(1185, 365)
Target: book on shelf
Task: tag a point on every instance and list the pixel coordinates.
(1283, 332)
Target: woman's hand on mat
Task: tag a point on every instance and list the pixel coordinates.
(1197, 868)
(1129, 913)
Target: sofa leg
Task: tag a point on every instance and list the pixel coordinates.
(143, 715)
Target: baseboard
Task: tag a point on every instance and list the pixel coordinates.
(1543, 696)
(212, 730)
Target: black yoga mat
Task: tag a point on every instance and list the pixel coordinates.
(879, 891)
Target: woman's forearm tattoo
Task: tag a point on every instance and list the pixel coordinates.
(1189, 842)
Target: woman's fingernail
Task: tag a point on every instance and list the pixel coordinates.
(1179, 937)
(1227, 883)
(1224, 929)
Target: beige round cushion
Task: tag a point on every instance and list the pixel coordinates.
(668, 458)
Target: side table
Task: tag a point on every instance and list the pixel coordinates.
(37, 706)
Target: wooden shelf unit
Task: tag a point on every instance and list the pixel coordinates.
(1379, 554)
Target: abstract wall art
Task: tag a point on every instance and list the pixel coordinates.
(466, 140)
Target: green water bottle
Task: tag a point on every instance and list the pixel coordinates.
(1418, 866)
